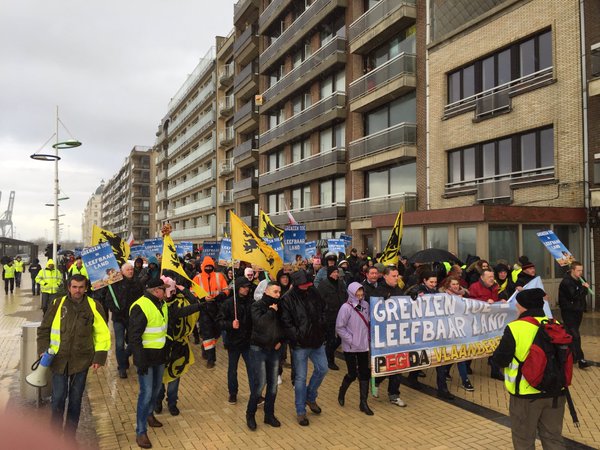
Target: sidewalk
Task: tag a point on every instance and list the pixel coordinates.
(475, 420)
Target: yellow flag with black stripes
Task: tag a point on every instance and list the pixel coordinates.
(266, 228)
(119, 246)
(391, 252)
(170, 261)
(246, 246)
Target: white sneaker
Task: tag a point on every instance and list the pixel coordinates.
(279, 380)
(398, 402)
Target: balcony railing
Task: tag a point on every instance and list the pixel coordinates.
(226, 197)
(335, 100)
(226, 167)
(403, 64)
(239, 8)
(201, 152)
(243, 112)
(246, 183)
(395, 136)
(516, 178)
(226, 105)
(315, 213)
(193, 108)
(338, 44)
(272, 11)
(243, 38)
(161, 175)
(197, 206)
(194, 182)
(244, 149)
(310, 164)
(374, 15)
(161, 215)
(206, 63)
(384, 204)
(226, 74)
(226, 136)
(251, 221)
(205, 122)
(200, 231)
(244, 74)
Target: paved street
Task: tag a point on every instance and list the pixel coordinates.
(475, 420)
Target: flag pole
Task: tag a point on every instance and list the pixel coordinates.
(233, 287)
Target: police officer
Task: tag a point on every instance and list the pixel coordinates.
(530, 410)
(50, 280)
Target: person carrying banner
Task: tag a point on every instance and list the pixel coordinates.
(75, 330)
(526, 275)
(303, 318)
(334, 295)
(118, 298)
(352, 325)
(531, 411)
(572, 294)
(50, 280)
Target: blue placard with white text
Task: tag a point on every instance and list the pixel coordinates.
(294, 240)
(225, 252)
(559, 252)
(212, 249)
(310, 249)
(275, 244)
(153, 246)
(347, 239)
(101, 265)
(336, 246)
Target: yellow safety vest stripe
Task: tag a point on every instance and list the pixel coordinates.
(155, 334)
(49, 280)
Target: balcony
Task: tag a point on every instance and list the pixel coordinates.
(161, 195)
(365, 208)
(205, 149)
(226, 74)
(226, 106)
(195, 182)
(251, 221)
(380, 23)
(224, 229)
(193, 108)
(161, 176)
(226, 197)
(246, 81)
(387, 82)
(205, 65)
(245, 153)
(325, 59)
(192, 133)
(203, 231)
(245, 189)
(226, 167)
(316, 116)
(226, 137)
(198, 206)
(396, 142)
(317, 213)
(245, 118)
(272, 13)
(242, 7)
(245, 46)
(297, 31)
(161, 215)
(308, 169)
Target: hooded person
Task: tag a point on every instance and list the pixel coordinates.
(50, 280)
(215, 285)
(330, 261)
(334, 295)
(152, 272)
(138, 267)
(250, 275)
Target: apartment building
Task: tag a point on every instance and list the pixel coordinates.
(92, 214)
(128, 197)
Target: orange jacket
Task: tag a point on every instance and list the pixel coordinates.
(213, 283)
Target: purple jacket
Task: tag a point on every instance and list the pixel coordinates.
(349, 326)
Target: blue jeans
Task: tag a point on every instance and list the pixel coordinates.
(172, 393)
(121, 351)
(302, 392)
(232, 366)
(264, 366)
(150, 383)
(70, 386)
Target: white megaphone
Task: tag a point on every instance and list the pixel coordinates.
(39, 376)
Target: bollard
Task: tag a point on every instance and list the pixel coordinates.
(28, 357)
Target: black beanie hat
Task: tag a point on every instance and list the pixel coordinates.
(531, 298)
(331, 269)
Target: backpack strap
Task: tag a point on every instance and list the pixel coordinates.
(531, 320)
(368, 325)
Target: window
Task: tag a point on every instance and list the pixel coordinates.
(332, 191)
(391, 180)
(537, 253)
(300, 150)
(275, 160)
(412, 241)
(403, 109)
(520, 60)
(467, 242)
(403, 43)
(531, 152)
(437, 237)
(503, 242)
(301, 197)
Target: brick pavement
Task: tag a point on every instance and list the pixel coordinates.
(207, 421)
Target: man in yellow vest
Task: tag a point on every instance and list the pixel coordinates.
(8, 274)
(531, 411)
(75, 330)
(77, 268)
(18, 270)
(148, 320)
(50, 280)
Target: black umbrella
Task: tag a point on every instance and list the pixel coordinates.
(431, 255)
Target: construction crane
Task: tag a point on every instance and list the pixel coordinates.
(6, 225)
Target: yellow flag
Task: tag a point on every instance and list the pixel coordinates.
(119, 247)
(170, 261)
(266, 228)
(246, 246)
(391, 251)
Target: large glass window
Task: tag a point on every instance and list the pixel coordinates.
(391, 180)
(403, 109)
(437, 237)
(467, 242)
(503, 240)
(412, 241)
(300, 150)
(536, 252)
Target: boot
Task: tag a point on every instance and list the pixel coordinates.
(364, 394)
(346, 382)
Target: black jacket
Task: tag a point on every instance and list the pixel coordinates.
(267, 330)
(386, 291)
(239, 338)
(303, 317)
(571, 295)
(334, 295)
(523, 279)
(209, 311)
(126, 291)
(143, 357)
(371, 290)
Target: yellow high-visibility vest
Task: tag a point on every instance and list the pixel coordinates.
(49, 280)
(18, 266)
(9, 271)
(155, 334)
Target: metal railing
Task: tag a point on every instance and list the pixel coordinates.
(226, 136)
(375, 15)
(243, 112)
(201, 152)
(384, 204)
(338, 44)
(200, 231)
(197, 206)
(226, 197)
(314, 213)
(403, 64)
(226, 167)
(206, 121)
(272, 11)
(243, 38)
(335, 100)
(246, 183)
(192, 183)
(226, 105)
(244, 148)
(313, 162)
(194, 106)
(226, 73)
(246, 73)
(518, 177)
(239, 7)
(206, 63)
(402, 134)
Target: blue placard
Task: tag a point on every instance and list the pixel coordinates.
(559, 252)
(101, 265)
(225, 252)
(212, 249)
(137, 251)
(347, 240)
(294, 240)
(153, 246)
(310, 249)
(275, 244)
(187, 246)
(336, 246)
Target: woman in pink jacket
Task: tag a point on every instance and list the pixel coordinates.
(352, 326)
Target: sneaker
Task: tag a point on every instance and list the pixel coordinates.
(261, 401)
(272, 421)
(303, 420)
(314, 407)
(279, 380)
(445, 395)
(232, 399)
(398, 402)
(467, 386)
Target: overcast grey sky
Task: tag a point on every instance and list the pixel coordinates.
(111, 68)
